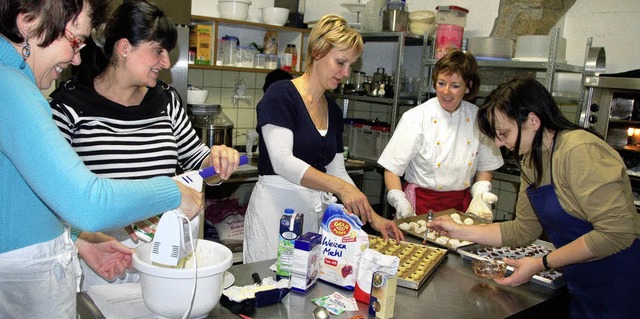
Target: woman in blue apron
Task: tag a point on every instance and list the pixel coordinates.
(575, 188)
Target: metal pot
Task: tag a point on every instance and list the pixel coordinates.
(395, 20)
(212, 125)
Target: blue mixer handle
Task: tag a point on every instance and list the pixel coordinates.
(210, 171)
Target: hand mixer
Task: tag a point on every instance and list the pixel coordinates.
(173, 239)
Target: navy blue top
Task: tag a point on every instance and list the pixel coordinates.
(283, 106)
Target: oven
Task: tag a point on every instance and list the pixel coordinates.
(612, 109)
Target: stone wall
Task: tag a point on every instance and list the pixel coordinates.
(521, 17)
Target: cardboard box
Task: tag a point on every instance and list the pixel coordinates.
(383, 295)
(200, 43)
(306, 262)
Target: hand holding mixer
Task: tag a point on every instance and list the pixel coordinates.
(173, 239)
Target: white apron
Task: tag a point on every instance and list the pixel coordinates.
(271, 195)
(41, 280)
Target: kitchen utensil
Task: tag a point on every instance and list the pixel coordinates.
(234, 9)
(425, 16)
(169, 292)
(535, 48)
(252, 137)
(429, 219)
(173, 239)
(275, 16)
(321, 312)
(211, 124)
(378, 76)
(394, 20)
(491, 47)
(357, 78)
(197, 96)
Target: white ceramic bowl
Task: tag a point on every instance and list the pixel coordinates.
(167, 291)
(275, 15)
(419, 28)
(234, 9)
(197, 96)
(426, 16)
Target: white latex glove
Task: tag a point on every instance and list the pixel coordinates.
(398, 199)
(480, 187)
(481, 205)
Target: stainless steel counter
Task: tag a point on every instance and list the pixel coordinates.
(452, 292)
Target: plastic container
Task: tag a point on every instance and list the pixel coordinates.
(271, 62)
(290, 230)
(491, 47)
(259, 61)
(535, 48)
(368, 142)
(448, 37)
(245, 56)
(227, 48)
(451, 15)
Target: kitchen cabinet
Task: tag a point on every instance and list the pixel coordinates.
(251, 32)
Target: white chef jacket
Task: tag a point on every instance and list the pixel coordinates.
(438, 150)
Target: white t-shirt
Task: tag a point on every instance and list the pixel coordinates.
(438, 150)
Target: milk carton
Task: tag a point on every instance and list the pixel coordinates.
(343, 242)
(306, 262)
(290, 230)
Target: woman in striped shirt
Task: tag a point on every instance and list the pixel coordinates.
(124, 122)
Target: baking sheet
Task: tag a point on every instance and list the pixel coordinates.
(548, 278)
(423, 258)
(439, 240)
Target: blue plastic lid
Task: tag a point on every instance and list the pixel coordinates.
(288, 211)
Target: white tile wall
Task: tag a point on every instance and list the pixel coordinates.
(221, 91)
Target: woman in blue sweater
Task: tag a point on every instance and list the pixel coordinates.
(45, 185)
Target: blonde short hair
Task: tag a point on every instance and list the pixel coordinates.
(332, 31)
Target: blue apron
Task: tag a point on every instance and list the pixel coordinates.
(605, 288)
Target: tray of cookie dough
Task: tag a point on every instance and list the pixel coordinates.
(548, 278)
(417, 262)
(417, 226)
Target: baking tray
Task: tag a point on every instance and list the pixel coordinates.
(432, 257)
(548, 278)
(448, 244)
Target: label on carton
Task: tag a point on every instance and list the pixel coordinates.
(290, 230)
(306, 262)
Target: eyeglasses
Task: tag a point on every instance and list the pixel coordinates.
(76, 42)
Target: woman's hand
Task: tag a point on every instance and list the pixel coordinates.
(356, 202)
(225, 160)
(191, 201)
(445, 226)
(104, 254)
(386, 227)
(525, 268)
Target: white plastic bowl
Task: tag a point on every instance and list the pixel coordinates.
(167, 291)
(275, 16)
(234, 9)
(197, 96)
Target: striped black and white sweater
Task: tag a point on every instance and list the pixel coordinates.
(128, 142)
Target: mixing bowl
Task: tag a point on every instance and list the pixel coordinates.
(167, 291)
(275, 16)
(234, 9)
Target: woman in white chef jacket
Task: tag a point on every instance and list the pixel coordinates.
(437, 146)
(300, 139)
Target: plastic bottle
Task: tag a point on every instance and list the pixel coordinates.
(287, 58)
(290, 230)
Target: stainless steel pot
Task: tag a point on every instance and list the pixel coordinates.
(212, 125)
(395, 20)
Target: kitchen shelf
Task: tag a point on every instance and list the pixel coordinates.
(248, 32)
(372, 99)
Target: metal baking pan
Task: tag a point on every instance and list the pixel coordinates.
(438, 255)
(448, 245)
(552, 279)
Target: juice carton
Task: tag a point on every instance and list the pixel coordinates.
(383, 295)
(306, 262)
(200, 42)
